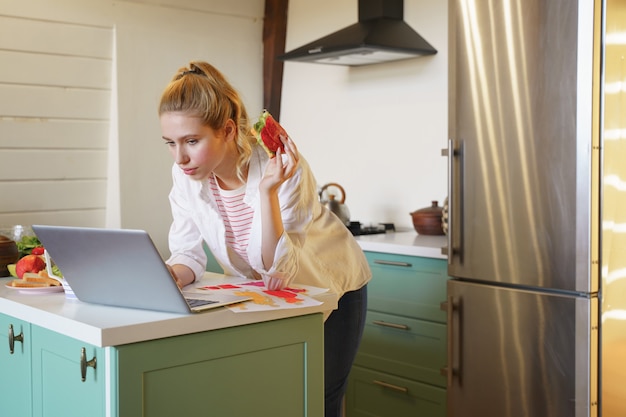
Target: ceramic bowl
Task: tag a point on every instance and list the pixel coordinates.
(427, 221)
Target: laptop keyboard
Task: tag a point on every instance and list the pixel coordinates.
(194, 302)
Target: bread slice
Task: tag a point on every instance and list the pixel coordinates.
(37, 278)
(25, 284)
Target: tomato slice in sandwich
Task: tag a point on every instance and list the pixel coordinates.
(268, 133)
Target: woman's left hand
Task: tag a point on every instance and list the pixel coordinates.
(282, 166)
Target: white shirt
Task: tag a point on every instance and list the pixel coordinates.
(316, 248)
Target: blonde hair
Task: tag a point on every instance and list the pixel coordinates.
(203, 91)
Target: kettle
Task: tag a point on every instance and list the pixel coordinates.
(335, 205)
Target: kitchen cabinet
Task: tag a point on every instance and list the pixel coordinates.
(15, 368)
(397, 368)
(57, 384)
(147, 363)
(273, 368)
(211, 263)
(182, 375)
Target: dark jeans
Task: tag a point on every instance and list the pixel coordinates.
(342, 335)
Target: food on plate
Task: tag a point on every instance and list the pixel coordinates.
(29, 263)
(42, 278)
(37, 250)
(20, 283)
(268, 133)
(26, 245)
(35, 280)
(31, 258)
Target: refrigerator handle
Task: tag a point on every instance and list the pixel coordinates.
(451, 152)
(451, 369)
(445, 250)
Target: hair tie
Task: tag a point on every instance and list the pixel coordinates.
(194, 70)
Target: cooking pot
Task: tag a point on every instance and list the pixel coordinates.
(427, 221)
(8, 254)
(335, 205)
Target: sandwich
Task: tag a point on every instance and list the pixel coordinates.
(33, 280)
(41, 278)
(268, 133)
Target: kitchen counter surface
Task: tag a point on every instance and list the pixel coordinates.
(111, 326)
(404, 243)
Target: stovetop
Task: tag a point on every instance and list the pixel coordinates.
(358, 229)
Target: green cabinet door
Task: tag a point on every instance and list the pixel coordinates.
(15, 369)
(377, 394)
(407, 286)
(59, 367)
(397, 368)
(271, 369)
(403, 346)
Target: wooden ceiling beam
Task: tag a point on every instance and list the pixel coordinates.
(274, 35)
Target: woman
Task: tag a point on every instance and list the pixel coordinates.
(260, 216)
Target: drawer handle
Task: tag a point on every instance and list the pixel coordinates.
(84, 363)
(394, 263)
(393, 325)
(13, 339)
(404, 390)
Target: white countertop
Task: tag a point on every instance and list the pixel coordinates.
(404, 243)
(111, 326)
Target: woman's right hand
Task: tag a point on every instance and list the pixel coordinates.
(182, 274)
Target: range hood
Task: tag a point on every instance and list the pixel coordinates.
(380, 35)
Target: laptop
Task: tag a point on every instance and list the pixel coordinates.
(121, 267)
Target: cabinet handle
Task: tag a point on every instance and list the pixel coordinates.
(454, 341)
(84, 363)
(394, 263)
(13, 339)
(393, 325)
(391, 386)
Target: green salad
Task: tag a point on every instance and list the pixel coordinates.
(26, 245)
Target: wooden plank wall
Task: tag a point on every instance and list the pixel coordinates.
(55, 105)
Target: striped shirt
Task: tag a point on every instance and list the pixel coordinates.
(237, 216)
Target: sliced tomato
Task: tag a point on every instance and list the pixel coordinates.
(37, 250)
(271, 133)
(268, 132)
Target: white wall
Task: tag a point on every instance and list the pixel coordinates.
(376, 130)
(152, 43)
(152, 39)
(55, 84)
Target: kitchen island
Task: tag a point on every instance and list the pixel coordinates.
(60, 356)
(397, 368)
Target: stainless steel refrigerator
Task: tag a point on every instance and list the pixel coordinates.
(537, 214)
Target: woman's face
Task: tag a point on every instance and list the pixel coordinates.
(197, 149)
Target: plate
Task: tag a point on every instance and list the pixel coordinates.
(36, 290)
